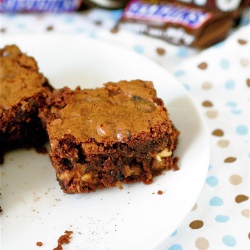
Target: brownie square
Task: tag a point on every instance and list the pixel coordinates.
(103, 137)
(23, 91)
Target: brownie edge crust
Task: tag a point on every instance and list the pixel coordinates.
(103, 137)
(23, 90)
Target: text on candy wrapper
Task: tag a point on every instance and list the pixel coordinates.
(192, 18)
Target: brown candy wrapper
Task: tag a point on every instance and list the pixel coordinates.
(214, 5)
(177, 22)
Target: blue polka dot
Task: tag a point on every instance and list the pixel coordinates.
(216, 201)
(229, 84)
(186, 86)
(182, 52)
(229, 240)
(179, 73)
(236, 111)
(92, 34)
(244, 20)
(224, 64)
(80, 30)
(221, 218)
(231, 104)
(139, 49)
(69, 19)
(115, 14)
(174, 233)
(175, 247)
(212, 181)
(248, 155)
(10, 15)
(219, 45)
(21, 25)
(210, 167)
(242, 130)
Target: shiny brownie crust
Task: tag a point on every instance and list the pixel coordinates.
(103, 137)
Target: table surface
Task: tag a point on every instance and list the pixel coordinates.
(218, 78)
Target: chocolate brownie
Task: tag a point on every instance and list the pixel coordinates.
(23, 89)
(103, 137)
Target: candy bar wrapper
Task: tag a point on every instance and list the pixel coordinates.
(176, 23)
(236, 7)
(215, 5)
(7, 6)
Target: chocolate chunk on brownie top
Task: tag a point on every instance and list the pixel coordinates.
(22, 91)
(105, 136)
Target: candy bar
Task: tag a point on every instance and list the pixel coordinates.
(39, 5)
(214, 5)
(176, 23)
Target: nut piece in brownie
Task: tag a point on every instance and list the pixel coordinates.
(22, 91)
(120, 133)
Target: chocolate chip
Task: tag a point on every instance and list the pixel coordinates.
(120, 177)
(128, 135)
(136, 98)
(67, 164)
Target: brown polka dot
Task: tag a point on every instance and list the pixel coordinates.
(212, 113)
(242, 41)
(3, 30)
(202, 243)
(114, 30)
(244, 62)
(160, 51)
(246, 213)
(98, 22)
(241, 198)
(230, 159)
(207, 104)
(235, 179)
(196, 224)
(218, 132)
(223, 143)
(207, 85)
(202, 65)
(249, 235)
(248, 82)
(194, 207)
(50, 28)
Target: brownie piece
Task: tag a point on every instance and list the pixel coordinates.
(22, 91)
(103, 137)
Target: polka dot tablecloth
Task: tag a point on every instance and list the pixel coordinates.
(218, 79)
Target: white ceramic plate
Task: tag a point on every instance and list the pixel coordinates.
(136, 217)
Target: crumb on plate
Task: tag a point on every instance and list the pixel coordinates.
(160, 192)
(39, 243)
(63, 239)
